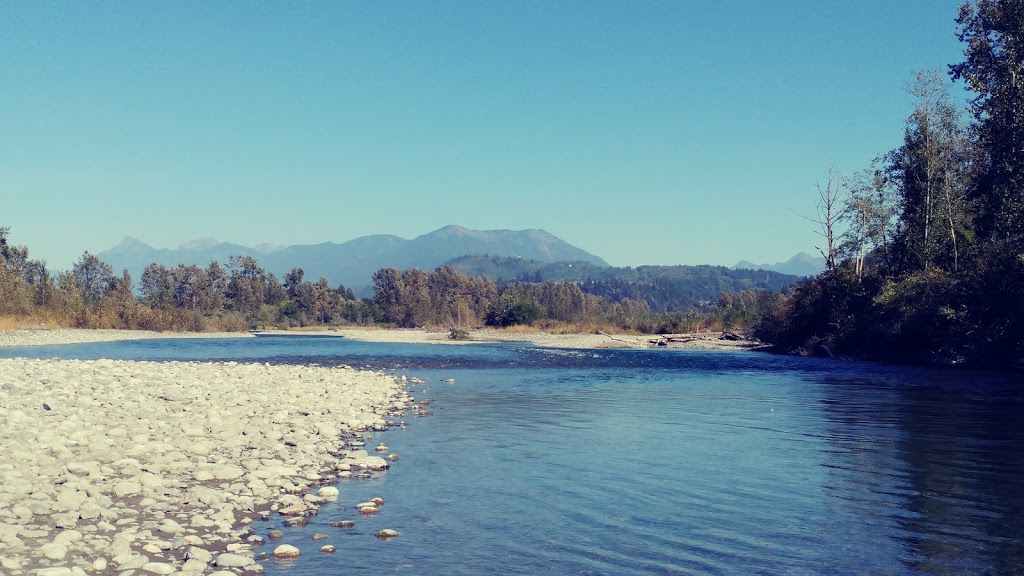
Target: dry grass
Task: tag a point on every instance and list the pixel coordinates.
(582, 328)
(518, 329)
(310, 328)
(557, 327)
(360, 327)
(26, 323)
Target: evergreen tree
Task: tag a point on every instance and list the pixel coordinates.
(993, 68)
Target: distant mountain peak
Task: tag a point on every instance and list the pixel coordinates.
(199, 244)
(801, 264)
(268, 248)
(805, 257)
(130, 244)
(452, 229)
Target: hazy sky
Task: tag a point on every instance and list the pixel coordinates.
(679, 132)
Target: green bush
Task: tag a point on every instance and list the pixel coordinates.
(509, 312)
(458, 334)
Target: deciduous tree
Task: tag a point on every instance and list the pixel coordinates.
(929, 171)
(92, 277)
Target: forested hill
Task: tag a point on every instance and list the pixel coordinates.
(664, 288)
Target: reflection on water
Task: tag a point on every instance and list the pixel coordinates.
(667, 462)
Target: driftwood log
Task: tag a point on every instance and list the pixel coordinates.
(614, 338)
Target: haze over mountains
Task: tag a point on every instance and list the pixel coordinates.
(353, 263)
(803, 264)
(523, 254)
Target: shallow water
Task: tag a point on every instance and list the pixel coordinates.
(666, 462)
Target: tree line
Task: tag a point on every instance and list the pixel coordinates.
(663, 288)
(444, 297)
(242, 295)
(235, 297)
(925, 247)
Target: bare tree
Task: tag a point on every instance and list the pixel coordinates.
(831, 211)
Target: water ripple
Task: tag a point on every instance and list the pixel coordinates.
(657, 462)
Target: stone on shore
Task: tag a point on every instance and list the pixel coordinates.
(159, 568)
(119, 467)
(238, 560)
(55, 571)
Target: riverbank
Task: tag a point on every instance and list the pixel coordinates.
(47, 337)
(692, 341)
(112, 466)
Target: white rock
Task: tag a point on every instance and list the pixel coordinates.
(193, 565)
(55, 571)
(54, 551)
(286, 551)
(119, 546)
(133, 562)
(67, 537)
(372, 463)
(169, 526)
(227, 472)
(122, 489)
(196, 553)
(159, 568)
(329, 492)
(237, 560)
(71, 499)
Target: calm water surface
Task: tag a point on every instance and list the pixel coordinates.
(665, 462)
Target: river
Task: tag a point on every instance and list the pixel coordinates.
(548, 461)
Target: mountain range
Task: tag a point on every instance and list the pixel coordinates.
(503, 255)
(353, 263)
(803, 264)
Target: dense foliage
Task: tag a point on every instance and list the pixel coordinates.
(411, 298)
(663, 288)
(932, 263)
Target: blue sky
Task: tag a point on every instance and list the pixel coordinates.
(678, 132)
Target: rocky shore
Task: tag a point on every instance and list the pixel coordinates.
(696, 341)
(46, 337)
(115, 467)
